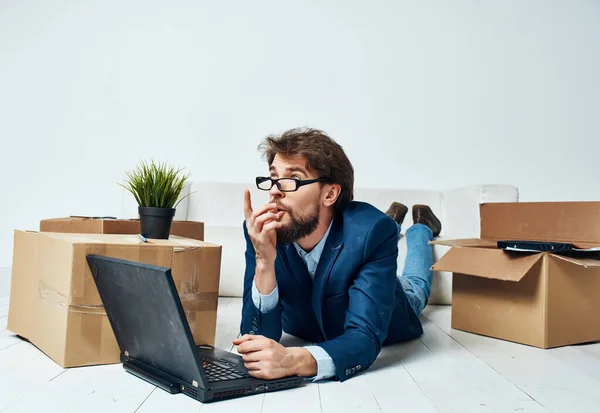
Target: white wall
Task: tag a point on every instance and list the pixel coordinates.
(421, 94)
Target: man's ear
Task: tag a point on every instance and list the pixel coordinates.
(332, 194)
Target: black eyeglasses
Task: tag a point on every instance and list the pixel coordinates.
(284, 184)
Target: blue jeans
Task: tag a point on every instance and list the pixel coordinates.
(417, 275)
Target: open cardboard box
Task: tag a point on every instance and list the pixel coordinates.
(541, 299)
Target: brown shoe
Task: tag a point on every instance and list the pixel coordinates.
(397, 212)
(422, 214)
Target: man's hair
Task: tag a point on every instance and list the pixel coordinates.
(323, 155)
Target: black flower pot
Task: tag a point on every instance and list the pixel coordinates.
(156, 222)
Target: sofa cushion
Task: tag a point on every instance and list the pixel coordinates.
(221, 207)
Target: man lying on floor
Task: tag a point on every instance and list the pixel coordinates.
(322, 267)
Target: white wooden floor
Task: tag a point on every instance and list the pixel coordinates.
(444, 371)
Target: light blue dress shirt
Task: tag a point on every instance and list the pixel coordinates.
(265, 303)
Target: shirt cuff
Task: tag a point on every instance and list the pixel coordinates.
(265, 303)
(325, 365)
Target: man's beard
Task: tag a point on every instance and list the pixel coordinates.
(298, 227)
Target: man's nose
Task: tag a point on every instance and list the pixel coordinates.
(275, 192)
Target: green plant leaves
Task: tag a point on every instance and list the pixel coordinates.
(156, 184)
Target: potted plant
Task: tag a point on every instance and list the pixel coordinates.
(156, 188)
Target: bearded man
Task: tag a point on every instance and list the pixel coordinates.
(323, 267)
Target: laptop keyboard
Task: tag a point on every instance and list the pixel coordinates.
(216, 372)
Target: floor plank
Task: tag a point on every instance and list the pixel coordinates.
(7, 338)
(228, 323)
(444, 371)
(302, 399)
(392, 385)
(545, 375)
(23, 370)
(590, 349)
(160, 401)
(461, 382)
(247, 404)
(299, 400)
(97, 389)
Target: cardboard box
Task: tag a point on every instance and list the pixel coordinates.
(54, 302)
(540, 299)
(90, 225)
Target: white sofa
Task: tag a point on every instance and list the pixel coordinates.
(220, 207)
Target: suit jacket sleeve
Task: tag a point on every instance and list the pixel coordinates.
(371, 303)
(254, 321)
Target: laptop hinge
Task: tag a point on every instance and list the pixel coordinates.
(157, 378)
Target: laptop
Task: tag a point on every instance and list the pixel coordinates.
(156, 342)
(543, 246)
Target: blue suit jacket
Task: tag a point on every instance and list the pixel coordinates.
(355, 303)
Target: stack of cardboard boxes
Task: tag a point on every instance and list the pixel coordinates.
(54, 301)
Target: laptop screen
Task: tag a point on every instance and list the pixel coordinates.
(146, 315)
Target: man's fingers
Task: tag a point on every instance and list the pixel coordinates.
(271, 226)
(264, 218)
(237, 341)
(267, 207)
(257, 374)
(253, 356)
(247, 204)
(251, 345)
(245, 337)
(252, 365)
(240, 340)
(255, 228)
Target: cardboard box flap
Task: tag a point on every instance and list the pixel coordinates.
(63, 219)
(90, 217)
(487, 263)
(467, 242)
(583, 262)
(177, 242)
(586, 245)
(75, 218)
(111, 225)
(542, 221)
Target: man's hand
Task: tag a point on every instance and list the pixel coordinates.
(261, 225)
(267, 359)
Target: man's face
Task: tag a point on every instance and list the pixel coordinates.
(302, 207)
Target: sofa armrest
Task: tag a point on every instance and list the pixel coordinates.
(461, 207)
(181, 212)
